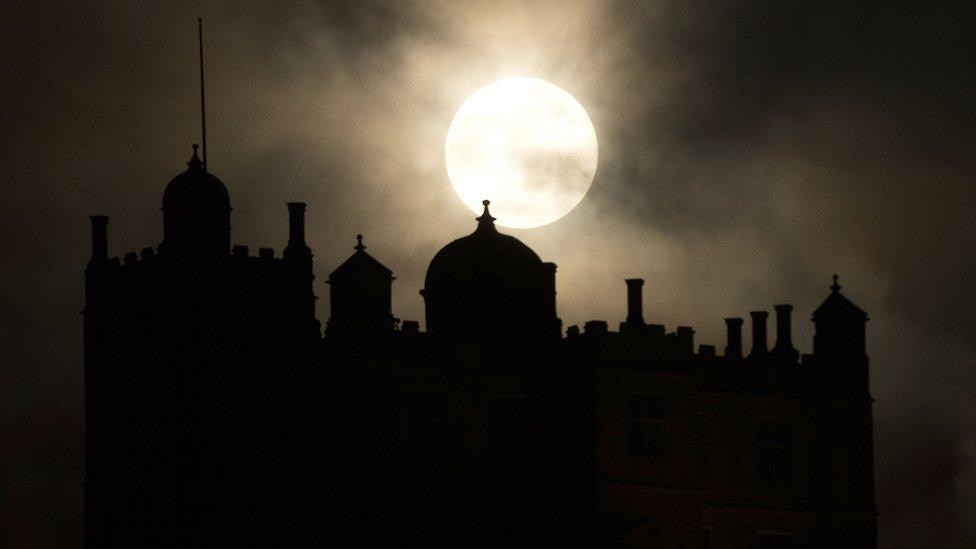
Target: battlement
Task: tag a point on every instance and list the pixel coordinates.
(149, 257)
(640, 346)
(296, 252)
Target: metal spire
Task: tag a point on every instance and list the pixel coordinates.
(203, 103)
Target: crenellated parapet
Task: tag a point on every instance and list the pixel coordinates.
(781, 369)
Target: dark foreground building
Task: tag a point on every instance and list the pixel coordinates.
(219, 416)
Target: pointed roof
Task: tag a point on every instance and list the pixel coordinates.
(359, 263)
(836, 304)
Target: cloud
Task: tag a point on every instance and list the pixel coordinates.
(749, 150)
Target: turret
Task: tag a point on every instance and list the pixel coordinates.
(490, 285)
(846, 460)
(196, 214)
(360, 291)
(838, 344)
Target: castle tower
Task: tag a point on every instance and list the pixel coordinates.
(839, 345)
(846, 466)
(360, 291)
(183, 349)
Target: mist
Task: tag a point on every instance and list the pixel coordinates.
(748, 151)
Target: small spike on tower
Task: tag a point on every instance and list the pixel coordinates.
(485, 222)
(195, 163)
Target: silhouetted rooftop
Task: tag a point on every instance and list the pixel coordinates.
(195, 189)
(483, 253)
(360, 262)
(837, 304)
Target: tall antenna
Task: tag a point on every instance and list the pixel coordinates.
(203, 103)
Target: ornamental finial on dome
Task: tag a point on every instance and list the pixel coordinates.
(359, 243)
(195, 163)
(486, 221)
(835, 287)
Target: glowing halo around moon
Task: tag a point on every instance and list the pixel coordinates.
(526, 145)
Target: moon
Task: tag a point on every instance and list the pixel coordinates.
(526, 145)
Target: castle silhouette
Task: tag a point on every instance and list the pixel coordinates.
(219, 415)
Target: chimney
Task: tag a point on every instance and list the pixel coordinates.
(733, 347)
(759, 347)
(784, 338)
(99, 224)
(296, 224)
(686, 339)
(635, 305)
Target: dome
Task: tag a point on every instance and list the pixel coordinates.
(483, 258)
(196, 213)
(490, 284)
(195, 189)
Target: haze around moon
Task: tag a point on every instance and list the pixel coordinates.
(526, 145)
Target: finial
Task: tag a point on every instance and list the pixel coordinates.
(195, 163)
(486, 218)
(835, 286)
(359, 243)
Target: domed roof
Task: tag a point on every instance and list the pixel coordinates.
(195, 189)
(484, 255)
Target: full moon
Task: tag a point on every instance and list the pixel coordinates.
(526, 145)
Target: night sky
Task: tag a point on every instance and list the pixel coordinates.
(748, 151)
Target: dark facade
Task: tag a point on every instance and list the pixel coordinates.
(217, 415)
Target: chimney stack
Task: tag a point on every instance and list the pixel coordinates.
(635, 298)
(784, 337)
(783, 351)
(296, 248)
(759, 346)
(733, 347)
(296, 224)
(99, 224)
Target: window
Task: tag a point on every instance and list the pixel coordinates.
(645, 424)
(428, 419)
(775, 540)
(507, 429)
(774, 451)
